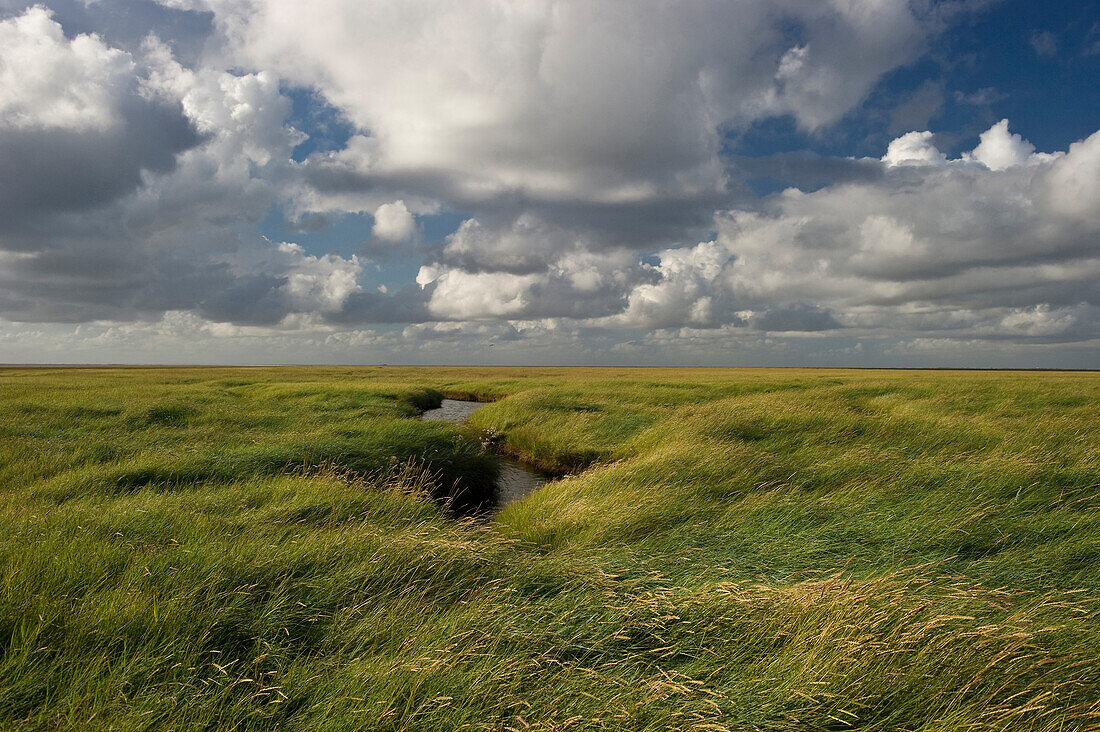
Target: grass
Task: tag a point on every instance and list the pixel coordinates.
(745, 550)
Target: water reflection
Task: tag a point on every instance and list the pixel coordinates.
(516, 479)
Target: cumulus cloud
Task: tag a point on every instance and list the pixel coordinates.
(684, 292)
(1000, 149)
(463, 295)
(125, 24)
(913, 148)
(49, 81)
(615, 101)
(1001, 241)
(128, 179)
(577, 284)
(521, 245)
(393, 222)
(579, 150)
(78, 121)
(1071, 186)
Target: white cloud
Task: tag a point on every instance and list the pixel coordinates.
(1043, 320)
(913, 148)
(954, 246)
(460, 295)
(1071, 185)
(393, 222)
(616, 101)
(318, 283)
(521, 245)
(949, 246)
(999, 149)
(47, 80)
(683, 292)
(139, 179)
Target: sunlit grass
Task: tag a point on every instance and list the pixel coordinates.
(759, 549)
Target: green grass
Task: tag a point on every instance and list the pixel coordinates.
(744, 550)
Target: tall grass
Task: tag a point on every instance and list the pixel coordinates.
(771, 550)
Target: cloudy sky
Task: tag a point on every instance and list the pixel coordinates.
(727, 182)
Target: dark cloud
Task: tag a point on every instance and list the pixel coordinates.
(922, 106)
(799, 316)
(408, 305)
(46, 171)
(805, 169)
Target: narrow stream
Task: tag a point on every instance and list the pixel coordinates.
(516, 479)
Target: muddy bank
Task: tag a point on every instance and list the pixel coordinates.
(516, 480)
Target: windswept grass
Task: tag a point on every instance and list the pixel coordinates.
(747, 550)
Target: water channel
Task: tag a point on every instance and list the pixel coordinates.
(516, 479)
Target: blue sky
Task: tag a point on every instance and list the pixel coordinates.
(847, 182)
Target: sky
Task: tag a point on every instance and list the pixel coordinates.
(871, 183)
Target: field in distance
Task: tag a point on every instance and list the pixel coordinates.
(268, 548)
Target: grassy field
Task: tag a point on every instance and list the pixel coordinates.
(737, 549)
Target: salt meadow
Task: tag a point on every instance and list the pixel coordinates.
(274, 548)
